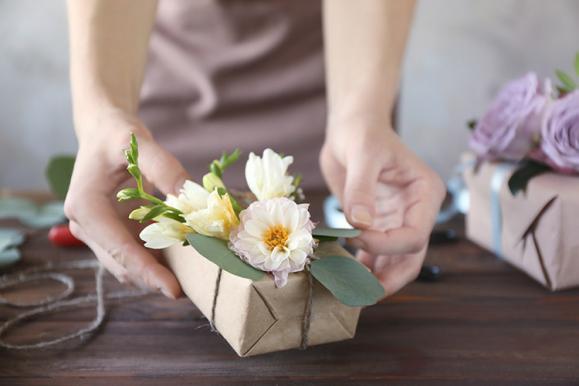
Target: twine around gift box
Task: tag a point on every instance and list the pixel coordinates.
(306, 320)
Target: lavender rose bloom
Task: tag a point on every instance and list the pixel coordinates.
(510, 127)
(560, 134)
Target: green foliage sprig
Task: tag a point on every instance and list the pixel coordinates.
(568, 83)
(157, 207)
(212, 180)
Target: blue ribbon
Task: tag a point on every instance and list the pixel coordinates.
(502, 170)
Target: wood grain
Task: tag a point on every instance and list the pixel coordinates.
(483, 323)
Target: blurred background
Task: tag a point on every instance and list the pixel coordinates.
(459, 54)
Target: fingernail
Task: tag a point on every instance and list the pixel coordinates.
(361, 215)
(166, 292)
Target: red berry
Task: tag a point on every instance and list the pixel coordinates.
(60, 236)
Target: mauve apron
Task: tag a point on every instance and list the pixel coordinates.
(245, 73)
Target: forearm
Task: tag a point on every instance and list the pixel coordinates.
(108, 51)
(364, 46)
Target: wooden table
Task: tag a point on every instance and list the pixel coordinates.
(483, 323)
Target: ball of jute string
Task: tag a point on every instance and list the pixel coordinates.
(56, 302)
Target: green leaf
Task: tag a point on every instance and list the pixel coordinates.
(12, 207)
(568, 82)
(349, 281)
(9, 257)
(577, 64)
(297, 180)
(323, 239)
(155, 211)
(28, 213)
(215, 169)
(134, 171)
(174, 216)
(521, 177)
(216, 251)
(229, 159)
(335, 232)
(128, 194)
(10, 238)
(471, 124)
(45, 216)
(134, 148)
(58, 173)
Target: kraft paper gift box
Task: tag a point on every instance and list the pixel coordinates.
(536, 231)
(255, 317)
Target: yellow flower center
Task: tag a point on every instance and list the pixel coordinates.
(276, 236)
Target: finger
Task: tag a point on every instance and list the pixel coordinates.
(160, 167)
(116, 269)
(398, 241)
(333, 172)
(362, 174)
(113, 239)
(365, 258)
(419, 218)
(394, 276)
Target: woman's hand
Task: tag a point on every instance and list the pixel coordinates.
(387, 191)
(95, 216)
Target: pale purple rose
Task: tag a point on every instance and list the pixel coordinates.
(560, 134)
(510, 127)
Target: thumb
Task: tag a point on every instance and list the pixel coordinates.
(160, 167)
(360, 190)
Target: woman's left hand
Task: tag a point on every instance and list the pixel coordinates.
(389, 193)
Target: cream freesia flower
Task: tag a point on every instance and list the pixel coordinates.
(209, 214)
(216, 219)
(164, 233)
(275, 236)
(267, 176)
(192, 197)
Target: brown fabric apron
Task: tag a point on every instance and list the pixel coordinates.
(247, 74)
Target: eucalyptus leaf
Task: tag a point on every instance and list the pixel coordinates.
(568, 82)
(45, 216)
(216, 251)
(524, 173)
(12, 207)
(58, 173)
(348, 280)
(335, 232)
(9, 257)
(28, 213)
(10, 238)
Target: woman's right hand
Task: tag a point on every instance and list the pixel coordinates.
(95, 215)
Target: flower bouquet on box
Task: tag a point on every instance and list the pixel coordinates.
(524, 184)
(254, 262)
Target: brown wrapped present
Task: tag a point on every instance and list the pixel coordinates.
(536, 230)
(255, 317)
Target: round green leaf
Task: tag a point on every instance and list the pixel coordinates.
(58, 173)
(349, 281)
(216, 251)
(10, 238)
(9, 257)
(335, 232)
(13, 207)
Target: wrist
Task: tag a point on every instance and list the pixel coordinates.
(106, 125)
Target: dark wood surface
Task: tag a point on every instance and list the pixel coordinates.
(482, 323)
